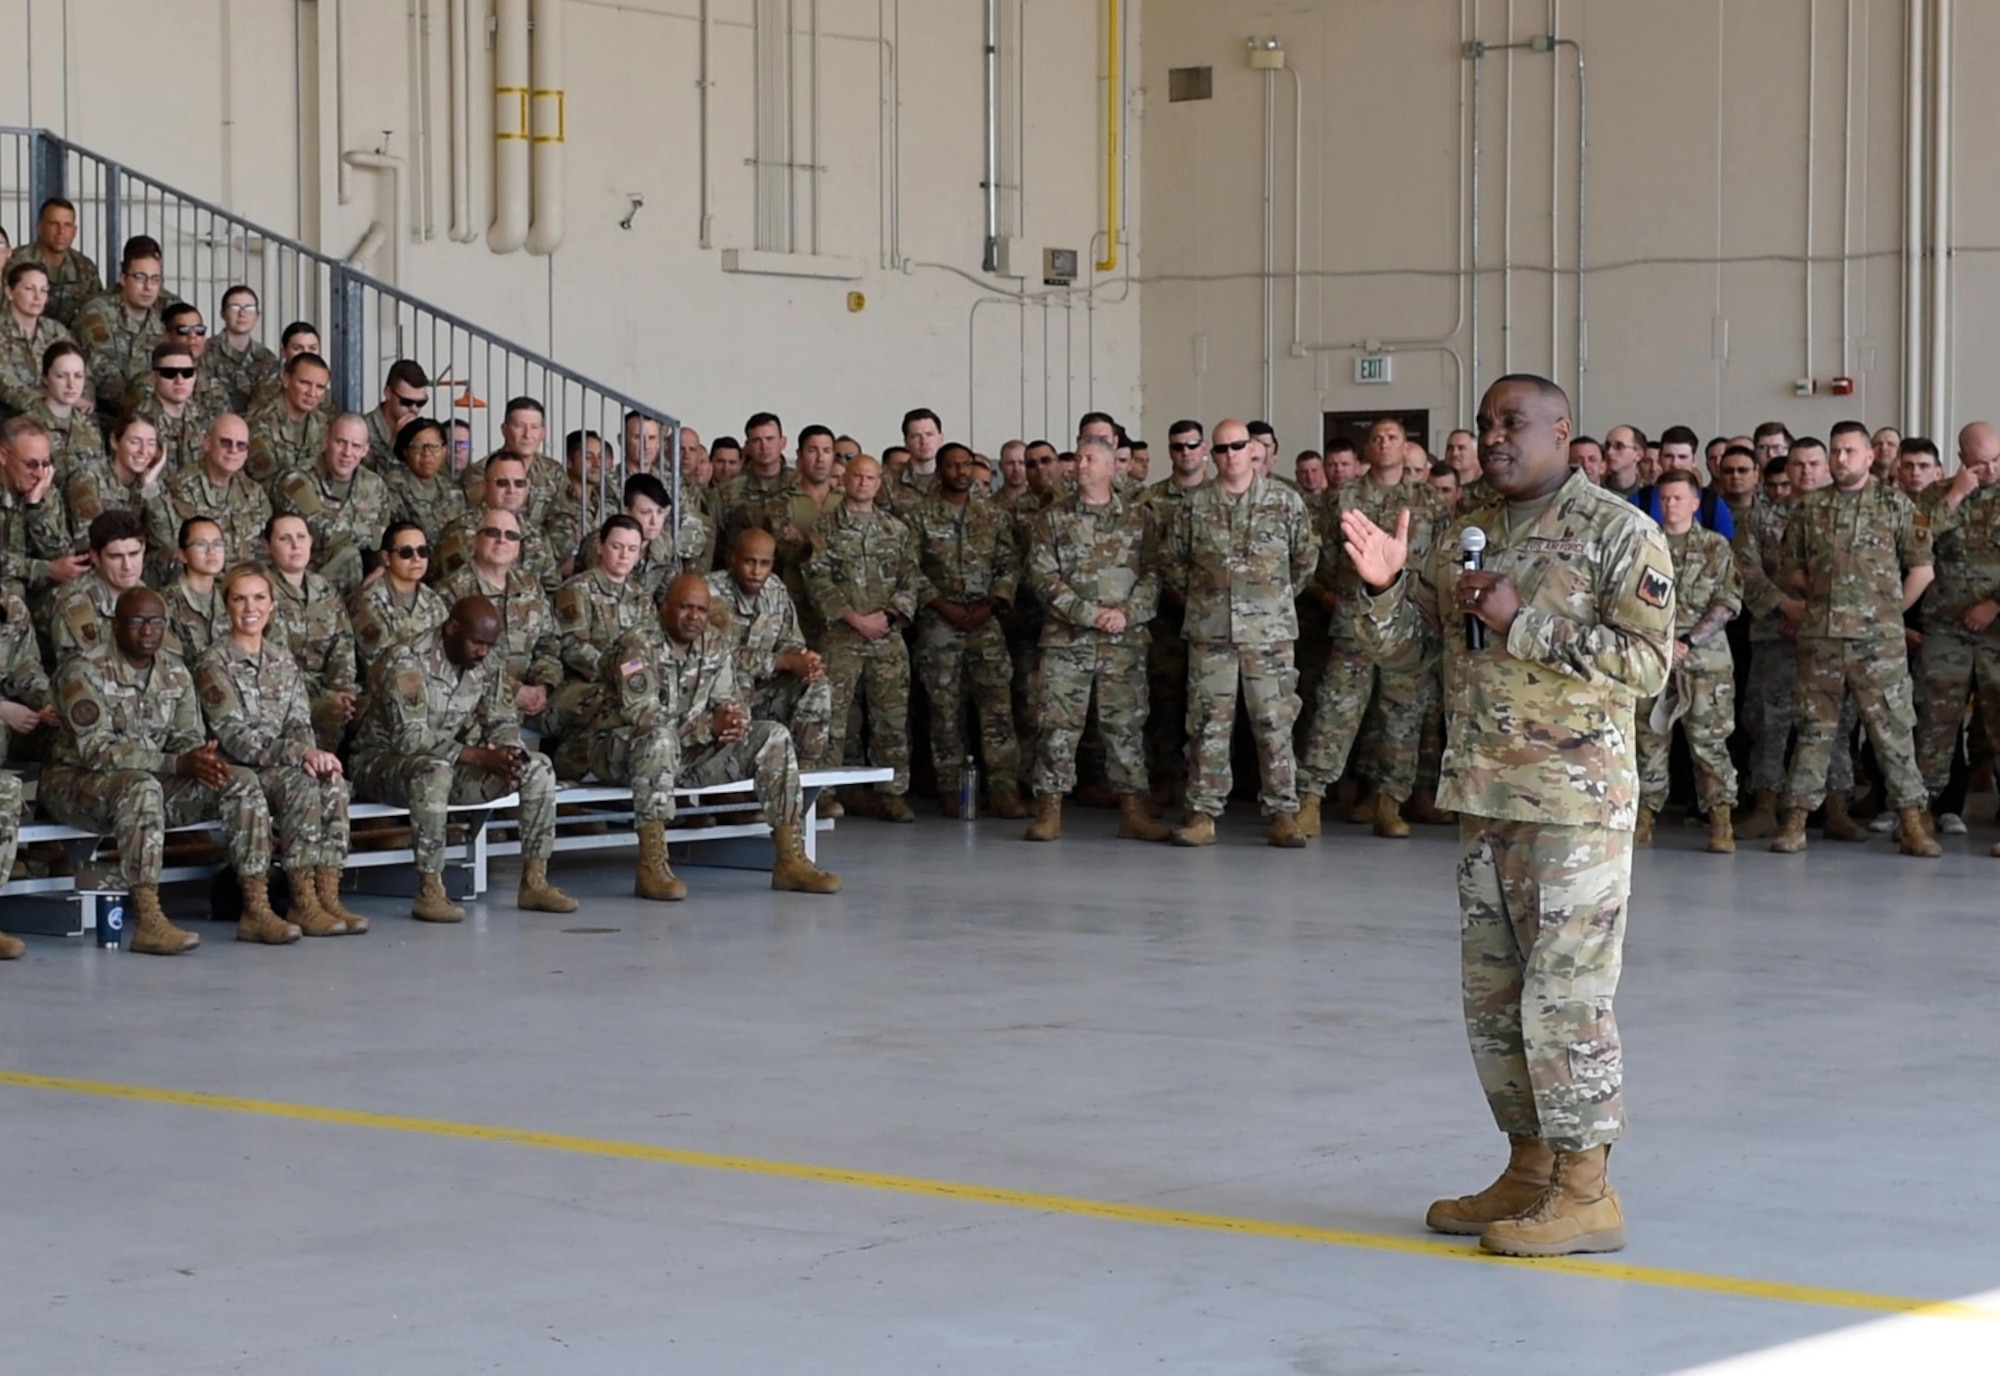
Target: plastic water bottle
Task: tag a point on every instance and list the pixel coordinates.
(968, 790)
(110, 920)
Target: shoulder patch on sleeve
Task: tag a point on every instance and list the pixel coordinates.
(85, 714)
(212, 695)
(1654, 587)
(1923, 518)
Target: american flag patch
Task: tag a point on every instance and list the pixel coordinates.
(631, 667)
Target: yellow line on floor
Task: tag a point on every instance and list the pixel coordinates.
(1738, 1286)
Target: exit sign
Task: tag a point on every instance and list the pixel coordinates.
(1371, 369)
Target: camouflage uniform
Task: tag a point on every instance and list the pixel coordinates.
(697, 534)
(94, 488)
(194, 619)
(31, 536)
(1955, 662)
(280, 445)
(422, 711)
(379, 617)
(346, 520)
(1705, 579)
(239, 507)
(1238, 560)
(1771, 689)
(21, 360)
(967, 554)
(1853, 548)
(759, 629)
(381, 459)
(1352, 679)
(73, 280)
(866, 563)
(120, 347)
(532, 649)
(22, 680)
(554, 509)
(656, 729)
(181, 437)
(271, 392)
(73, 439)
(802, 514)
(1167, 657)
(1083, 560)
(903, 488)
(80, 618)
(750, 502)
(452, 551)
(112, 769)
(1539, 766)
(257, 710)
(1023, 623)
(310, 621)
(591, 613)
(434, 505)
(239, 375)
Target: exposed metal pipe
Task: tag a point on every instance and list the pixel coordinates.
(1847, 196)
(1941, 187)
(1914, 90)
(1469, 27)
(383, 161)
(510, 127)
(703, 85)
(1555, 205)
(1507, 214)
(1270, 181)
(817, 174)
(1298, 209)
(1114, 107)
(1812, 163)
(426, 136)
(548, 128)
(339, 97)
(460, 56)
(990, 260)
(1582, 221)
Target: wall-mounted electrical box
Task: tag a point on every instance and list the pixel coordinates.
(1058, 267)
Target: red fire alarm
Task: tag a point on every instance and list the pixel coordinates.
(1843, 387)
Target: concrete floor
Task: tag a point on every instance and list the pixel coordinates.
(1811, 1042)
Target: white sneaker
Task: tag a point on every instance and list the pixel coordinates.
(1884, 821)
(1950, 824)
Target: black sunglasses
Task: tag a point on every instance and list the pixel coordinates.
(1230, 447)
(415, 551)
(181, 373)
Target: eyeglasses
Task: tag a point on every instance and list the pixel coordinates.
(508, 482)
(38, 465)
(1230, 447)
(233, 446)
(427, 449)
(149, 279)
(191, 331)
(1184, 446)
(146, 623)
(242, 308)
(512, 537)
(214, 546)
(461, 446)
(421, 551)
(175, 374)
(411, 403)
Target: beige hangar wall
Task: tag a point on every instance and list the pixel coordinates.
(1699, 209)
(237, 100)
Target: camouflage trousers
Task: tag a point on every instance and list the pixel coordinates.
(10, 821)
(1269, 685)
(803, 709)
(1876, 674)
(1710, 717)
(1351, 679)
(308, 817)
(428, 787)
(134, 808)
(766, 757)
(647, 762)
(879, 671)
(1069, 676)
(1954, 664)
(1771, 707)
(1167, 718)
(1542, 933)
(956, 665)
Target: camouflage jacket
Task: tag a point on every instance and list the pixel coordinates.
(903, 487)
(195, 619)
(758, 629)
(1383, 504)
(651, 681)
(1759, 536)
(256, 706)
(421, 706)
(379, 616)
(118, 716)
(120, 347)
(239, 507)
(280, 445)
(1965, 545)
(72, 281)
(452, 550)
(1238, 562)
(534, 649)
(591, 613)
(310, 621)
(696, 526)
(341, 516)
(80, 618)
(381, 458)
(1541, 720)
(865, 563)
(1084, 559)
(434, 505)
(21, 360)
(30, 536)
(181, 437)
(555, 507)
(22, 677)
(750, 502)
(73, 439)
(239, 375)
(1705, 577)
(967, 553)
(1853, 548)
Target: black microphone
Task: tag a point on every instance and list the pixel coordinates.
(1472, 556)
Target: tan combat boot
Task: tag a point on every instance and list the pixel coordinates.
(1137, 824)
(1047, 825)
(327, 878)
(1309, 822)
(1199, 830)
(1915, 833)
(828, 805)
(1285, 833)
(1578, 1212)
(11, 947)
(1530, 1167)
(431, 904)
(258, 922)
(1003, 800)
(1791, 837)
(1840, 823)
(152, 934)
(1389, 818)
(1762, 818)
(1642, 831)
(1721, 832)
(896, 808)
(537, 894)
(307, 913)
(794, 873)
(656, 879)
(1364, 810)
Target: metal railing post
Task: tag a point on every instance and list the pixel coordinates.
(347, 339)
(114, 220)
(47, 176)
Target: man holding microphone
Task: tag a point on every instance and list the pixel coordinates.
(1548, 644)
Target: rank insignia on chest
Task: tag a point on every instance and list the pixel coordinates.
(1654, 587)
